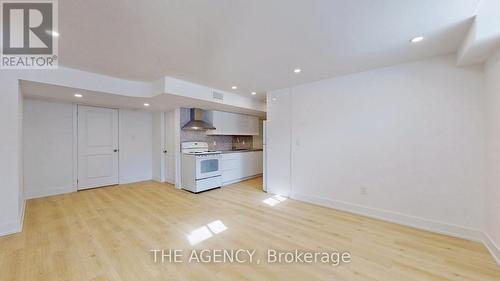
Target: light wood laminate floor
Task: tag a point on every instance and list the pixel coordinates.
(107, 234)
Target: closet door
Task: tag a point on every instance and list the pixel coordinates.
(97, 147)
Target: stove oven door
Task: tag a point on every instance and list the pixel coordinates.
(207, 166)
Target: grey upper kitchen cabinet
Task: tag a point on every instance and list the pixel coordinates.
(234, 124)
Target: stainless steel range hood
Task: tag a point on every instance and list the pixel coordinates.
(196, 123)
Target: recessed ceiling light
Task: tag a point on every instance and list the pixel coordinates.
(53, 33)
(417, 39)
(254, 93)
(146, 104)
(78, 95)
(234, 87)
(274, 99)
(297, 70)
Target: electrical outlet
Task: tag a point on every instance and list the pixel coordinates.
(363, 190)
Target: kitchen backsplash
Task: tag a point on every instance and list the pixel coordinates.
(214, 142)
(242, 142)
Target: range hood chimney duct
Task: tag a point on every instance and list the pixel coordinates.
(196, 122)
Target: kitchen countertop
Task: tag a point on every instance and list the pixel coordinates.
(240, 150)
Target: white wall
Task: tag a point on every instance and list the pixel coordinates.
(492, 191)
(136, 147)
(21, 197)
(411, 135)
(278, 142)
(175, 152)
(48, 148)
(11, 198)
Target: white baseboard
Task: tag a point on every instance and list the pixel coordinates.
(241, 179)
(407, 220)
(21, 216)
(10, 227)
(31, 194)
(492, 247)
(165, 181)
(14, 226)
(170, 181)
(134, 180)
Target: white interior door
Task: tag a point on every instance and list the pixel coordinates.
(166, 148)
(97, 147)
(169, 151)
(165, 151)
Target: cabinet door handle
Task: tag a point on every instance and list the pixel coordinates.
(116, 150)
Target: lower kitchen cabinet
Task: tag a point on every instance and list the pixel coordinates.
(239, 166)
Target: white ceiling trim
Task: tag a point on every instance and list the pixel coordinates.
(164, 94)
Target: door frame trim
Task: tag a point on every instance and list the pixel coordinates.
(163, 140)
(75, 146)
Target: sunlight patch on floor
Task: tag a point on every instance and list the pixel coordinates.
(205, 232)
(275, 200)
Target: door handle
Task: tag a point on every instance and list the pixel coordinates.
(164, 151)
(116, 150)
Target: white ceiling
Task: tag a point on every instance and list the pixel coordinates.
(159, 103)
(254, 44)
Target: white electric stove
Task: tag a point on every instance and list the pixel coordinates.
(200, 167)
